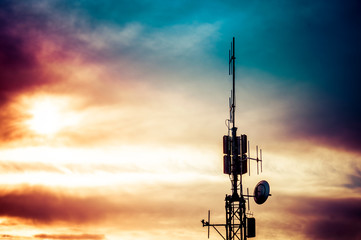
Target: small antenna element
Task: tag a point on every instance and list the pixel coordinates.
(236, 149)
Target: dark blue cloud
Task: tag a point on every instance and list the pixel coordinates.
(154, 14)
(313, 44)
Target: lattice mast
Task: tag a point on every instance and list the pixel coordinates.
(235, 159)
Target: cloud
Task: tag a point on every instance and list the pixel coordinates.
(20, 67)
(303, 50)
(312, 49)
(312, 217)
(38, 58)
(164, 205)
(336, 218)
(83, 236)
(70, 236)
(44, 206)
(354, 179)
(98, 66)
(22, 167)
(12, 237)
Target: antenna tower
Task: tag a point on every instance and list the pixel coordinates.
(239, 224)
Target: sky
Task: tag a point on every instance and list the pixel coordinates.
(113, 112)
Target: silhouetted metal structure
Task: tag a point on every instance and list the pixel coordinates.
(235, 160)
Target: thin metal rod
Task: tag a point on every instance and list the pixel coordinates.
(234, 84)
(261, 158)
(218, 232)
(257, 159)
(234, 129)
(248, 199)
(229, 59)
(209, 220)
(249, 160)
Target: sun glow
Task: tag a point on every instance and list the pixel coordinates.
(49, 116)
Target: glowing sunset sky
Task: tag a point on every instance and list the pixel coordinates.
(112, 116)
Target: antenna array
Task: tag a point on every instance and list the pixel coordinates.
(236, 149)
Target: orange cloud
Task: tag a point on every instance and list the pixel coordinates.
(70, 236)
(161, 205)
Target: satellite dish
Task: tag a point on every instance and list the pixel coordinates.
(261, 192)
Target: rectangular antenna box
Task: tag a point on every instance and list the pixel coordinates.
(242, 166)
(251, 227)
(227, 164)
(244, 143)
(227, 143)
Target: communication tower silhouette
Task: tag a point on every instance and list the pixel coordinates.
(239, 224)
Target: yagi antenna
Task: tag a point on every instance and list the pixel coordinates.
(240, 224)
(258, 159)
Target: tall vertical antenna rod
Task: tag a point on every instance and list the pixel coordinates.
(233, 59)
(234, 129)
